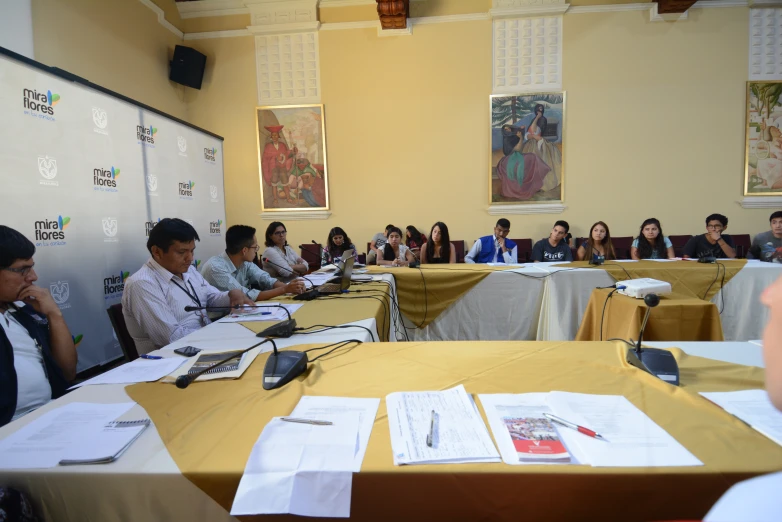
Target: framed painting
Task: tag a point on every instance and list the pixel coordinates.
(526, 148)
(292, 158)
(763, 150)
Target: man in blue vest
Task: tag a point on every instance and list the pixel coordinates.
(494, 249)
(37, 354)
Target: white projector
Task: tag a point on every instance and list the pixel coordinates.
(640, 288)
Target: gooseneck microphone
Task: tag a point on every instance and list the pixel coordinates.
(281, 329)
(660, 363)
(289, 269)
(183, 381)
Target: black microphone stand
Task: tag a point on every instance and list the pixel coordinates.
(658, 362)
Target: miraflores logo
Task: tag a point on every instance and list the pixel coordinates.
(39, 104)
(149, 225)
(213, 193)
(60, 292)
(210, 155)
(101, 121)
(152, 184)
(214, 227)
(186, 190)
(181, 142)
(110, 229)
(105, 180)
(196, 263)
(77, 339)
(113, 286)
(146, 135)
(51, 232)
(47, 167)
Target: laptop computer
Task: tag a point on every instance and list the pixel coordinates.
(335, 285)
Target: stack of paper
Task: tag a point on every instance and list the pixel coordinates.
(106, 445)
(140, 370)
(753, 407)
(450, 417)
(630, 438)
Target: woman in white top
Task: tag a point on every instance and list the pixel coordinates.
(395, 253)
(651, 243)
(279, 259)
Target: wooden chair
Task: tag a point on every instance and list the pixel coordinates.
(678, 243)
(310, 252)
(622, 246)
(121, 329)
(743, 243)
(523, 250)
(458, 246)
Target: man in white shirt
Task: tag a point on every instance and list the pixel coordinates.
(234, 268)
(494, 249)
(37, 354)
(155, 297)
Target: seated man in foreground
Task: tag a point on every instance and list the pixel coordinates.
(37, 354)
(554, 247)
(494, 249)
(155, 297)
(234, 268)
(767, 246)
(713, 243)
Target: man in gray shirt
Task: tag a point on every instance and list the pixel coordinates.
(554, 247)
(767, 246)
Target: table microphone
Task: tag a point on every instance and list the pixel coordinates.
(183, 381)
(266, 260)
(281, 329)
(658, 362)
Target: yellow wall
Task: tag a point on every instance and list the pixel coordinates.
(654, 126)
(117, 44)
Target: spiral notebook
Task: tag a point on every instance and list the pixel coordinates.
(107, 445)
(206, 360)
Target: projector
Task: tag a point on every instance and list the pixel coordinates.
(640, 288)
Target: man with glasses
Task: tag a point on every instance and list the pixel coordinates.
(155, 297)
(234, 268)
(713, 243)
(494, 249)
(37, 354)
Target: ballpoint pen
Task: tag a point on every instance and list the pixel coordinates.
(307, 421)
(572, 426)
(430, 437)
(147, 356)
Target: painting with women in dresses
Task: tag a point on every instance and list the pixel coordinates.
(292, 158)
(526, 148)
(763, 168)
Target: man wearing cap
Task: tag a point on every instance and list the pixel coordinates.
(276, 162)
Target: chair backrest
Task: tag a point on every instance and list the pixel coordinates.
(523, 250)
(310, 252)
(123, 336)
(458, 246)
(622, 246)
(678, 243)
(362, 259)
(743, 243)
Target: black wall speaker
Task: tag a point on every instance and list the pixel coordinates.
(187, 67)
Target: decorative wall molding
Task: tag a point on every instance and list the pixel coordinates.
(524, 8)
(299, 27)
(527, 54)
(541, 208)
(761, 202)
(295, 216)
(765, 44)
(351, 3)
(205, 8)
(468, 17)
(161, 18)
(218, 34)
(340, 26)
(288, 68)
(609, 8)
(704, 4)
(656, 16)
(283, 12)
(407, 31)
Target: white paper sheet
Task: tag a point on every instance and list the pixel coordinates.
(753, 407)
(758, 342)
(312, 407)
(140, 370)
(109, 442)
(317, 279)
(260, 314)
(302, 469)
(459, 435)
(632, 438)
(43, 442)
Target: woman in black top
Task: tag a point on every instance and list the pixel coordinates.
(433, 251)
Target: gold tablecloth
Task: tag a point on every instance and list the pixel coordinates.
(690, 278)
(425, 293)
(210, 428)
(676, 318)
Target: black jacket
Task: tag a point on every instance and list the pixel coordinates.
(38, 328)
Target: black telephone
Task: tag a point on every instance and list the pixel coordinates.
(187, 351)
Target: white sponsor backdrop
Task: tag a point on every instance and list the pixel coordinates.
(85, 175)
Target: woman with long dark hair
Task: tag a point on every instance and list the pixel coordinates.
(597, 244)
(439, 248)
(651, 243)
(336, 245)
(283, 262)
(414, 240)
(395, 253)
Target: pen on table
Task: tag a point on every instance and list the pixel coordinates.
(573, 426)
(307, 421)
(259, 313)
(147, 356)
(430, 437)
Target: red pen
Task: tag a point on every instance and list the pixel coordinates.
(572, 426)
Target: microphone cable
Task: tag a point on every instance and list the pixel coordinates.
(325, 327)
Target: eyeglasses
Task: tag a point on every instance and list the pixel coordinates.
(714, 227)
(22, 270)
(280, 233)
(256, 247)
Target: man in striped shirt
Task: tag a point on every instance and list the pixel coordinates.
(155, 297)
